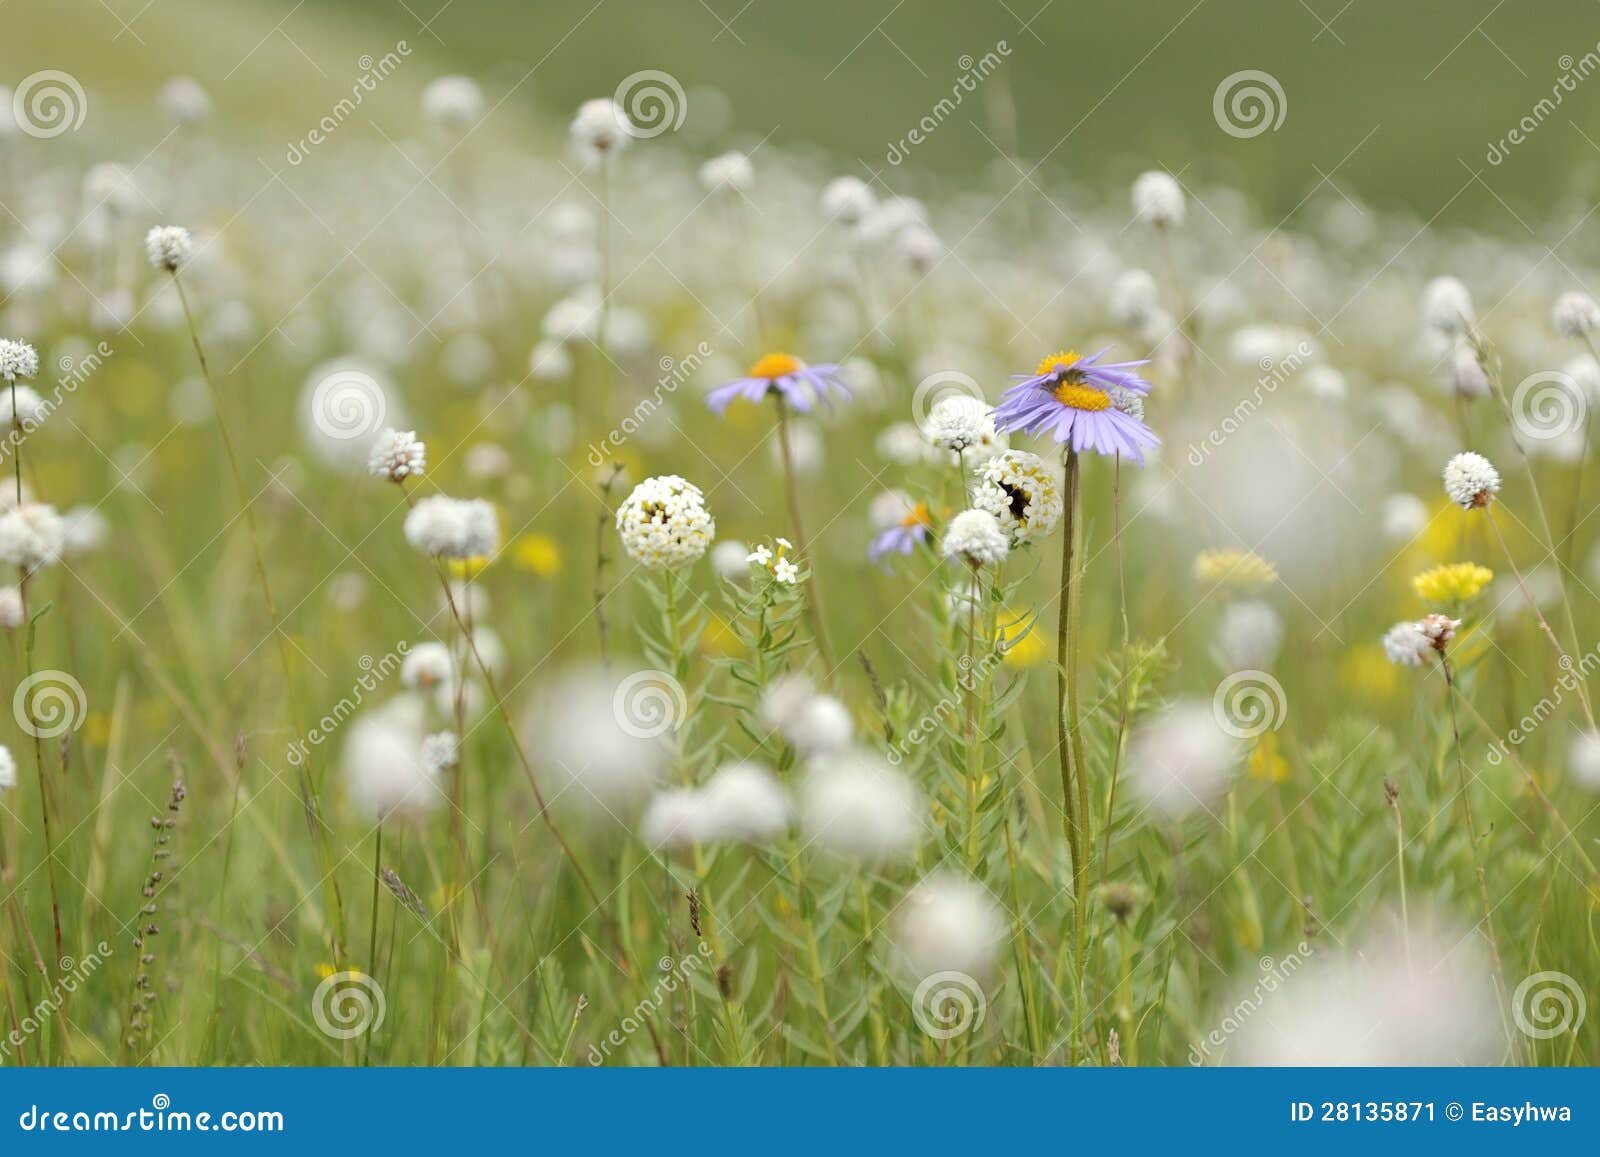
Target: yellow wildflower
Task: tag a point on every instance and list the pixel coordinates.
(1266, 762)
(1238, 568)
(539, 554)
(466, 568)
(1020, 635)
(1455, 583)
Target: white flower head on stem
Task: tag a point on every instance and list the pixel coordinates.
(664, 523)
(1471, 480)
(18, 360)
(459, 528)
(975, 537)
(169, 247)
(1020, 490)
(397, 455)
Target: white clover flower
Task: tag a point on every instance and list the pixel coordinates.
(731, 172)
(1019, 489)
(1181, 759)
(453, 102)
(601, 126)
(1583, 759)
(747, 804)
(184, 101)
(1471, 480)
(18, 360)
(1158, 199)
(397, 455)
(664, 523)
(168, 247)
(855, 804)
(847, 200)
(11, 609)
(975, 537)
(1405, 645)
(1575, 314)
(948, 923)
(383, 763)
(32, 536)
(453, 527)
(8, 769)
(958, 422)
(22, 407)
(1447, 306)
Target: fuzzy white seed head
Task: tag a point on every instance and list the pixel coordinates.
(600, 127)
(1405, 645)
(1575, 314)
(458, 528)
(855, 804)
(1020, 490)
(32, 536)
(11, 609)
(426, 665)
(383, 763)
(747, 804)
(1133, 299)
(168, 247)
(730, 560)
(1464, 372)
(8, 769)
(847, 200)
(948, 923)
(1447, 306)
(184, 101)
(1182, 759)
(730, 172)
(592, 744)
(1404, 517)
(440, 752)
(397, 455)
(1583, 759)
(1158, 199)
(975, 537)
(22, 408)
(18, 360)
(664, 523)
(1471, 480)
(454, 103)
(1249, 636)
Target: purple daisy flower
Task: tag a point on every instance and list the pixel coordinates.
(1080, 400)
(904, 536)
(800, 385)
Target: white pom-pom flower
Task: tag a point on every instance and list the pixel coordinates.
(1471, 480)
(731, 172)
(949, 924)
(855, 804)
(975, 537)
(397, 455)
(457, 528)
(1575, 314)
(1158, 199)
(32, 536)
(453, 102)
(664, 523)
(168, 247)
(18, 360)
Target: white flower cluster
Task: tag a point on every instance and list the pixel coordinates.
(664, 523)
(853, 803)
(18, 359)
(782, 569)
(975, 537)
(730, 172)
(453, 527)
(1020, 490)
(454, 103)
(814, 723)
(959, 422)
(600, 127)
(397, 455)
(168, 247)
(1471, 480)
(1575, 314)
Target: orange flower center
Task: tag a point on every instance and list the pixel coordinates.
(918, 517)
(1081, 397)
(774, 366)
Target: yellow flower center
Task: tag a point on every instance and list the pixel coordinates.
(773, 366)
(1081, 397)
(1061, 360)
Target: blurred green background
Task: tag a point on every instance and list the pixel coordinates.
(1397, 101)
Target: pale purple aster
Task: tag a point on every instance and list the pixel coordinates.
(904, 536)
(1076, 400)
(800, 385)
